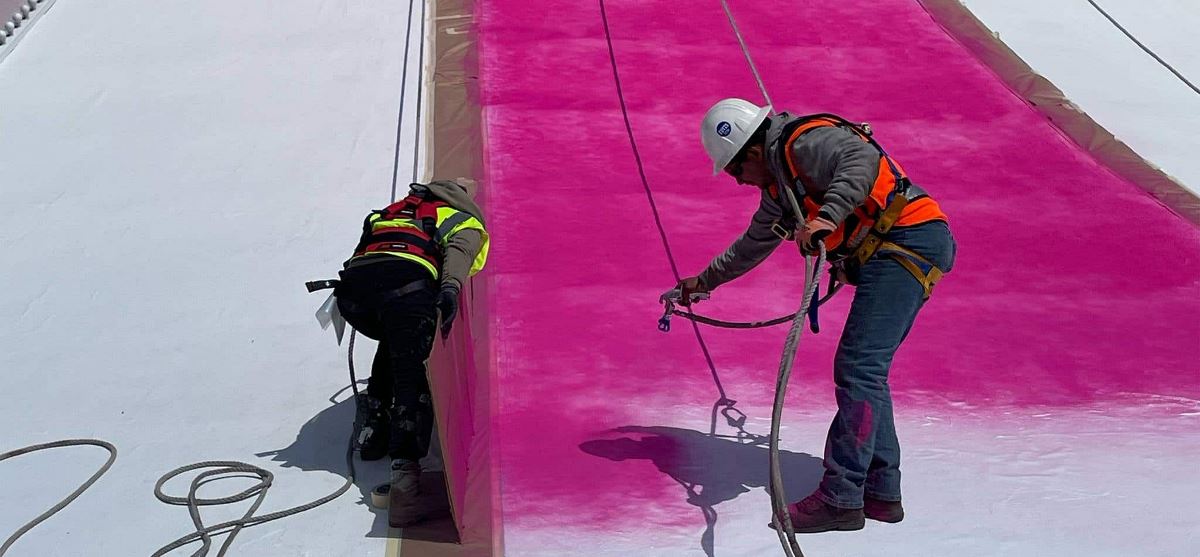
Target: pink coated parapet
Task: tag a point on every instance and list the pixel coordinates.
(1073, 287)
(464, 405)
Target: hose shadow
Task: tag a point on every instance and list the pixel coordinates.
(710, 469)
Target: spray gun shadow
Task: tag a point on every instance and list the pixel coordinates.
(711, 469)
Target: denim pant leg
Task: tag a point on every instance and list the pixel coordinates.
(862, 452)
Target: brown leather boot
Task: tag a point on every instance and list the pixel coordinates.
(883, 511)
(405, 507)
(811, 515)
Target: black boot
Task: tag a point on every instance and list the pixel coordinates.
(374, 432)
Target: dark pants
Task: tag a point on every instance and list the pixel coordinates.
(404, 326)
(862, 453)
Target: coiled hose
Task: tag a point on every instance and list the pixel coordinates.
(112, 457)
(210, 471)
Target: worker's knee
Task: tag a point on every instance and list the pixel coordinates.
(410, 340)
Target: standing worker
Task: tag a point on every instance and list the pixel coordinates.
(409, 267)
(882, 234)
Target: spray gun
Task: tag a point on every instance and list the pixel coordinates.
(672, 297)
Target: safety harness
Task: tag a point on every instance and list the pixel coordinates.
(408, 229)
(863, 244)
(408, 226)
(926, 273)
(847, 256)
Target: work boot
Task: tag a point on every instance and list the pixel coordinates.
(811, 515)
(405, 506)
(374, 433)
(883, 511)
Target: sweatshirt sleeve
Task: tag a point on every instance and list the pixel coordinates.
(853, 163)
(460, 253)
(750, 249)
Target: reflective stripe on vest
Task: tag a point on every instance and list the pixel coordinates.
(858, 223)
(417, 229)
(406, 229)
(451, 221)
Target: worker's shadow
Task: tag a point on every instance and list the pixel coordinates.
(320, 445)
(711, 469)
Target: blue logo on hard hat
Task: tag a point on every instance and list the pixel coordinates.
(723, 129)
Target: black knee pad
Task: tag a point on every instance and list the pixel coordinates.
(412, 427)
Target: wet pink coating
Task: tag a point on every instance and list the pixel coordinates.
(1072, 286)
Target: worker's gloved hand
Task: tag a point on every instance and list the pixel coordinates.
(687, 288)
(447, 305)
(815, 230)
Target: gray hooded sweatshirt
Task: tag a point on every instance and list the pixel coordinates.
(462, 248)
(840, 170)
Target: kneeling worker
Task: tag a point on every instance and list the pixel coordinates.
(822, 179)
(410, 266)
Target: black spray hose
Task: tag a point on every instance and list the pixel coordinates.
(705, 320)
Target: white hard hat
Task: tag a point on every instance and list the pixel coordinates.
(726, 128)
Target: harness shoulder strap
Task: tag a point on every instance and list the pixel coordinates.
(806, 123)
(416, 207)
(863, 131)
(405, 208)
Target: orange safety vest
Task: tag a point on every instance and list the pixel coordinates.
(919, 210)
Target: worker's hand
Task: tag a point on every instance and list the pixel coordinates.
(815, 230)
(447, 305)
(689, 287)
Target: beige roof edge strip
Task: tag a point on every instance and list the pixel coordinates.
(455, 140)
(963, 26)
(454, 149)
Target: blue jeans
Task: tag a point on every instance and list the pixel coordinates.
(862, 454)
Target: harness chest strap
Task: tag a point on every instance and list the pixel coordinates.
(896, 202)
(890, 181)
(874, 242)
